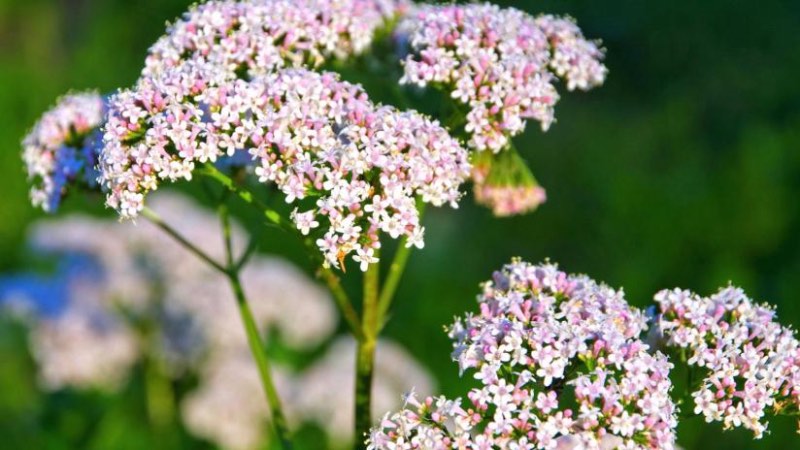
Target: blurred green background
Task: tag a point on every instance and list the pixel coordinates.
(682, 170)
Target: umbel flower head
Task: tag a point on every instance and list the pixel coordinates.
(62, 148)
(559, 364)
(505, 184)
(255, 37)
(749, 363)
(501, 63)
(352, 168)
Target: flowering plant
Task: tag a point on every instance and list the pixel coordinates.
(247, 96)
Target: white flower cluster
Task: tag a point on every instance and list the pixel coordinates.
(324, 391)
(228, 408)
(256, 37)
(85, 349)
(313, 135)
(560, 365)
(501, 63)
(62, 148)
(119, 271)
(748, 363)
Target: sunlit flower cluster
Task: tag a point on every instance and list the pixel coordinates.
(501, 63)
(62, 148)
(747, 363)
(256, 37)
(560, 365)
(312, 135)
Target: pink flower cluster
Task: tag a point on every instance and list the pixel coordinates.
(511, 199)
(502, 63)
(351, 167)
(750, 364)
(255, 37)
(62, 148)
(505, 184)
(560, 365)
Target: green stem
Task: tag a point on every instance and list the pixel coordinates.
(159, 395)
(260, 356)
(153, 217)
(365, 358)
(253, 336)
(328, 276)
(252, 246)
(342, 301)
(270, 214)
(396, 270)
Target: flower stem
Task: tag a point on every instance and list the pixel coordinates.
(328, 276)
(342, 301)
(365, 358)
(253, 336)
(153, 217)
(260, 356)
(396, 270)
(159, 396)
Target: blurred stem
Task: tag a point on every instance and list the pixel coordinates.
(231, 271)
(328, 276)
(160, 397)
(365, 357)
(252, 245)
(253, 336)
(153, 217)
(396, 270)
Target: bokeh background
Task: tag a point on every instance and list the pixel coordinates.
(682, 170)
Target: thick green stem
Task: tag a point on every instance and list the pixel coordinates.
(328, 276)
(365, 358)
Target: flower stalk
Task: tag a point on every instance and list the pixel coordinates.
(325, 273)
(365, 358)
(396, 269)
(231, 271)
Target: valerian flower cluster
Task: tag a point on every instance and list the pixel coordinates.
(206, 94)
(216, 86)
(62, 148)
(256, 37)
(502, 64)
(311, 134)
(747, 363)
(560, 365)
